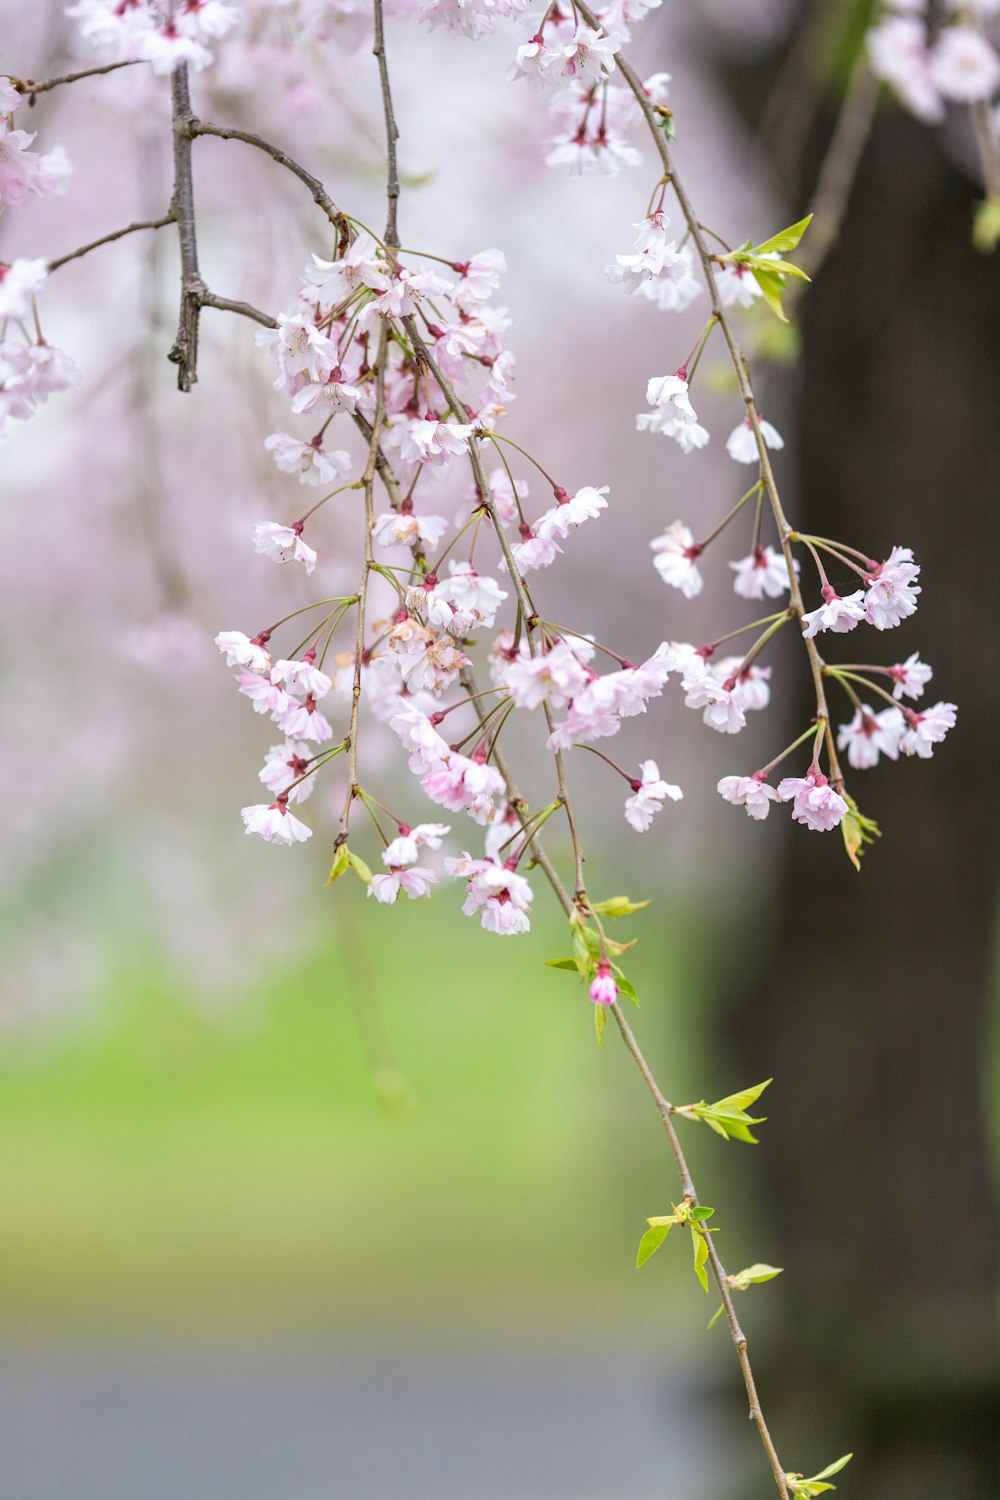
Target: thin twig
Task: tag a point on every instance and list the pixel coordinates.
(117, 234)
(245, 309)
(30, 88)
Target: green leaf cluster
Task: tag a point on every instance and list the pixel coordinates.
(591, 945)
(808, 1488)
(767, 265)
(728, 1117)
(694, 1216)
(857, 831)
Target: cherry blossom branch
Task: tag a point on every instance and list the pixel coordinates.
(666, 1110)
(520, 590)
(169, 217)
(741, 366)
(371, 465)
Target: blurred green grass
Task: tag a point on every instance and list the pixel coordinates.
(177, 1168)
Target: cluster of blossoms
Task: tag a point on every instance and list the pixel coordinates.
(409, 352)
(30, 369)
(164, 33)
(930, 66)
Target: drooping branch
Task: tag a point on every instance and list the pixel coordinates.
(116, 234)
(741, 367)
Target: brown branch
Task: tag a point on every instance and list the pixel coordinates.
(30, 88)
(245, 309)
(195, 127)
(117, 234)
(184, 352)
(391, 131)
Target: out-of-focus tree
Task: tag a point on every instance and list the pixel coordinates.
(873, 1002)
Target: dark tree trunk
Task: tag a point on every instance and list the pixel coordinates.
(874, 1010)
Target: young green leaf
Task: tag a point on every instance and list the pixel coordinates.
(627, 989)
(651, 1242)
(561, 963)
(359, 867)
(808, 1488)
(617, 906)
(728, 1117)
(600, 1016)
(754, 1274)
(857, 831)
(739, 1281)
(771, 288)
(786, 239)
(700, 1238)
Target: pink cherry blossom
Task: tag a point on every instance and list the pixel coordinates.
(892, 590)
(963, 65)
(762, 573)
(675, 560)
(465, 785)
(648, 796)
(274, 822)
(751, 792)
(304, 721)
(415, 882)
(534, 551)
(603, 988)
(897, 51)
(910, 677)
(429, 440)
(869, 735)
(310, 461)
(741, 443)
(404, 849)
(406, 529)
(302, 676)
(736, 286)
(473, 598)
(243, 651)
(283, 767)
(814, 802)
(835, 613)
(264, 695)
(571, 510)
(283, 543)
(501, 896)
(721, 707)
(924, 731)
